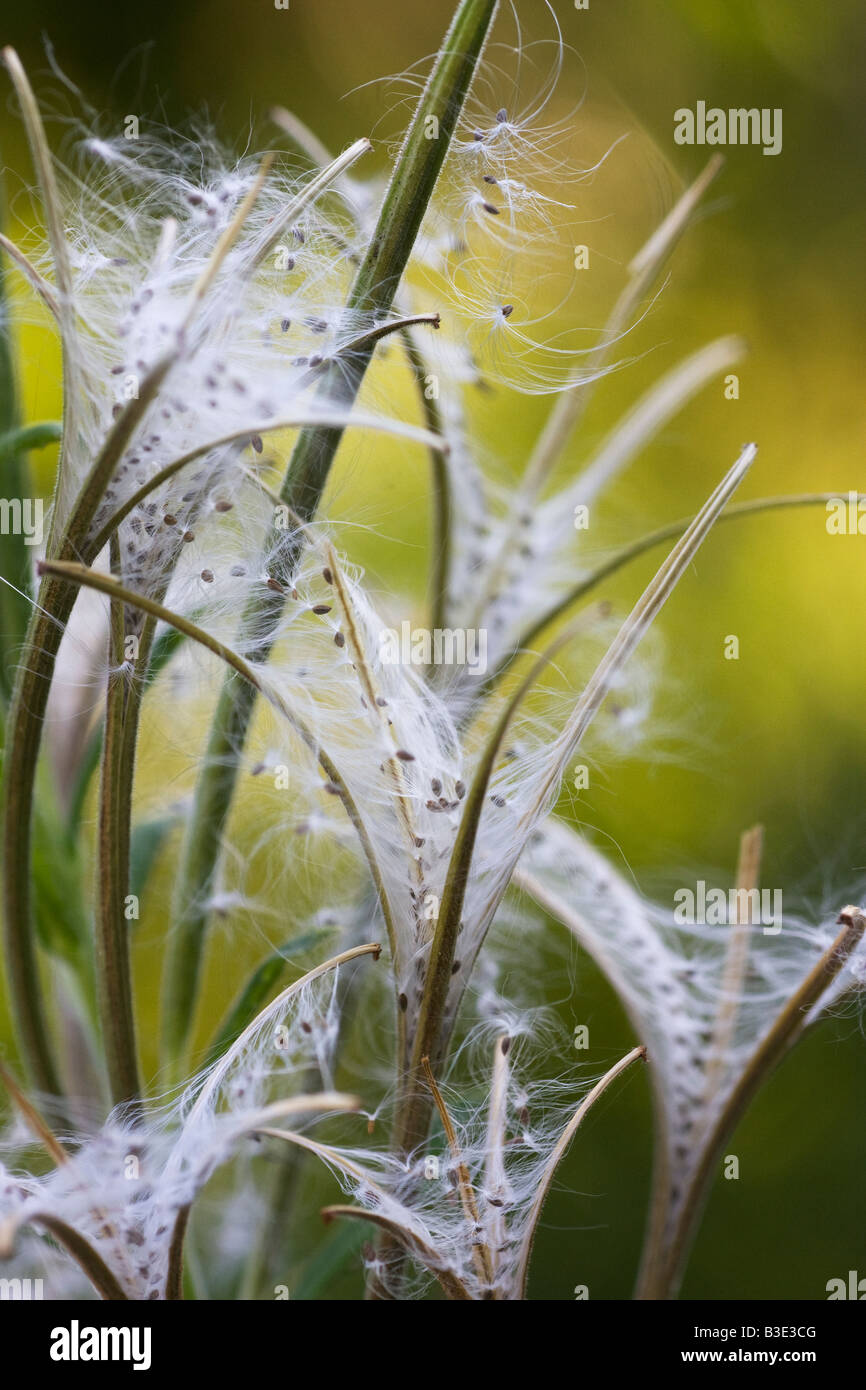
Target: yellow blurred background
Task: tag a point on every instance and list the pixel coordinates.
(777, 736)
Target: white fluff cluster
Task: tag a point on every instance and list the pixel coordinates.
(701, 997)
(127, 1187)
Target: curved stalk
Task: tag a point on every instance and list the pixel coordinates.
(664, 1259)
(633, 551)
(558, 1154)
(113, 977)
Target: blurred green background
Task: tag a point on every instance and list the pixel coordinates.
(777, 736)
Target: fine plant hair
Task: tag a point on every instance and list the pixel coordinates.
(226, 326)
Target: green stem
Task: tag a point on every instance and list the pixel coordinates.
(24, 734)
(372, 296)
(113, 974)
(440, 521)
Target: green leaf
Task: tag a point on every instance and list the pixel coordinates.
(329, 1260)
(147, 840)
(62, 923)
(21, 440)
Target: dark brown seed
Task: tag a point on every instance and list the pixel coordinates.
(507, 310)
(305, 1026)
(502, 115)
(404, 1003)
(488, 178)
(436, 786)
(188, 536)
(339, 639)
(223, 506)
(275, 585)
(381, 701)
(331, 788)
(257, 443)
(460, 789)
(404, 756)
(498, 801)
(286, 325)
(494, 211)
(327, 576)
(321, 608)
(207, 576)
(455, 967)
(257, 770)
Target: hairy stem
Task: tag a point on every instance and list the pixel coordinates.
(372, 296)
(113, 975)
